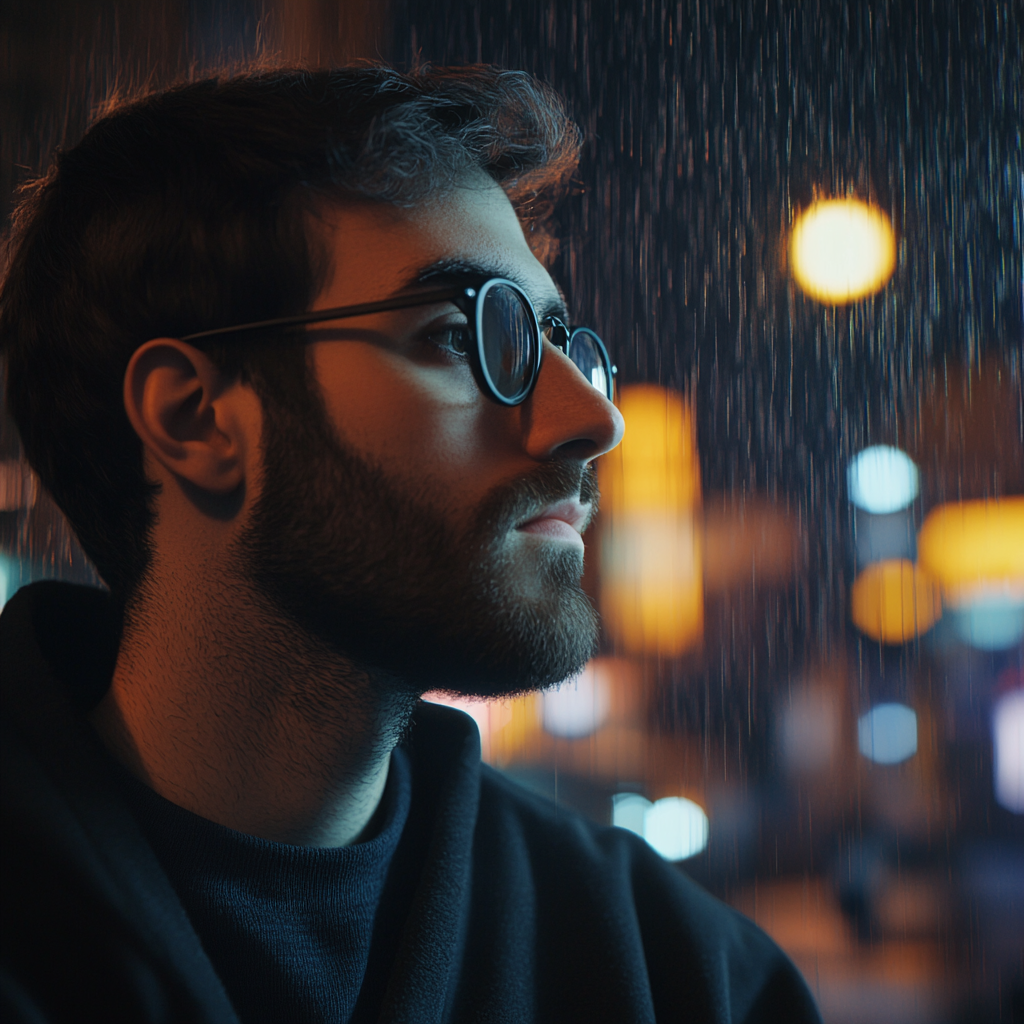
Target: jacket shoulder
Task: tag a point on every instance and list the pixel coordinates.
(611, 899)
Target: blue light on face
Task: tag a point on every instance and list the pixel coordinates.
(882, 479)
(887, 734)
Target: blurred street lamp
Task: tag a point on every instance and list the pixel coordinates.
(894, 601)
(842, 250)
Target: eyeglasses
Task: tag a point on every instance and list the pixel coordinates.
(506, 337)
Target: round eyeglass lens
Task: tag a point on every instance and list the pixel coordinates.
(586, 352)
(508, 340)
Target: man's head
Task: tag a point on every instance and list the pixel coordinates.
(371, 491)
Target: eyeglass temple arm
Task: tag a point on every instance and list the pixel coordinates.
(341, 312)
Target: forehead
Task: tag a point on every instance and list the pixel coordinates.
(376, 249)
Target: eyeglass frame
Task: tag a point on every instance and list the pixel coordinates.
(469, 301)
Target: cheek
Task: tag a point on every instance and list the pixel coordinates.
(427, 425)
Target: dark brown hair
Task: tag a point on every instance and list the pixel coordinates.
(186, 208)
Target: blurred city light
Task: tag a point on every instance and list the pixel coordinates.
(882, 479)
(887, 734)
(894, 601)
(652, 588)
(991, 621)
(842, 250)
(578, 707)
(1008, 750)
(975, 549)
(675, 827)
(628, 810)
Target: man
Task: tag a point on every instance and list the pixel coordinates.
(224, 799)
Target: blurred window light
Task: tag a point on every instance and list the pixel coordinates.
(882, 479)
(887, 734)
(675, 827)
(1008, 750)
(842, 250)
(5, 580)
(578, 707)
(894, 601)
(975, 549)
(652, 592)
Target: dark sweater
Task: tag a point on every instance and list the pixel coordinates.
(287, 928)
(495, 905)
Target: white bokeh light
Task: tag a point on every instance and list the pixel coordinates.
(842, 250)
(887, 734)
(1008, 750)
(882, 479)
(628, 810)
(579, 706)
(675, 827)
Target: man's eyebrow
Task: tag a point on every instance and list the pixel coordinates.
(456, 272)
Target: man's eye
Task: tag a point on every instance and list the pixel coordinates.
(452, 339)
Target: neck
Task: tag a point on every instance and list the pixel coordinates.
(228, 709)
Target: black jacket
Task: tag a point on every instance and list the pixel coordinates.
(516, 911)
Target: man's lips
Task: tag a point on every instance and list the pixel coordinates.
(562, 521)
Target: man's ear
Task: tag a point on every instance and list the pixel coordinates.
(190, 418)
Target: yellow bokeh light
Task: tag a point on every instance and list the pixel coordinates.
(894, 601)
(972, 546)
(655, 468)
(652, 590)
(841, 250)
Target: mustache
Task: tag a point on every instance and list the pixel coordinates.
(511, 503)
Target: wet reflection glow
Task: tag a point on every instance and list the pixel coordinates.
(677, 828)
(894, 601)
(882, 479)
(1008, 750)
(887, 734)
(841, 250)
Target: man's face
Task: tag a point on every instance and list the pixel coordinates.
(412, 522)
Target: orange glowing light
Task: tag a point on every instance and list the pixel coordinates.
(841, 250)
(894, 601)
(974, 547)
(652, 590)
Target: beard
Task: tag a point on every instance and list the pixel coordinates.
(383, 577)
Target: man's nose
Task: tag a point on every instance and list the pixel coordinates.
(566, 415)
